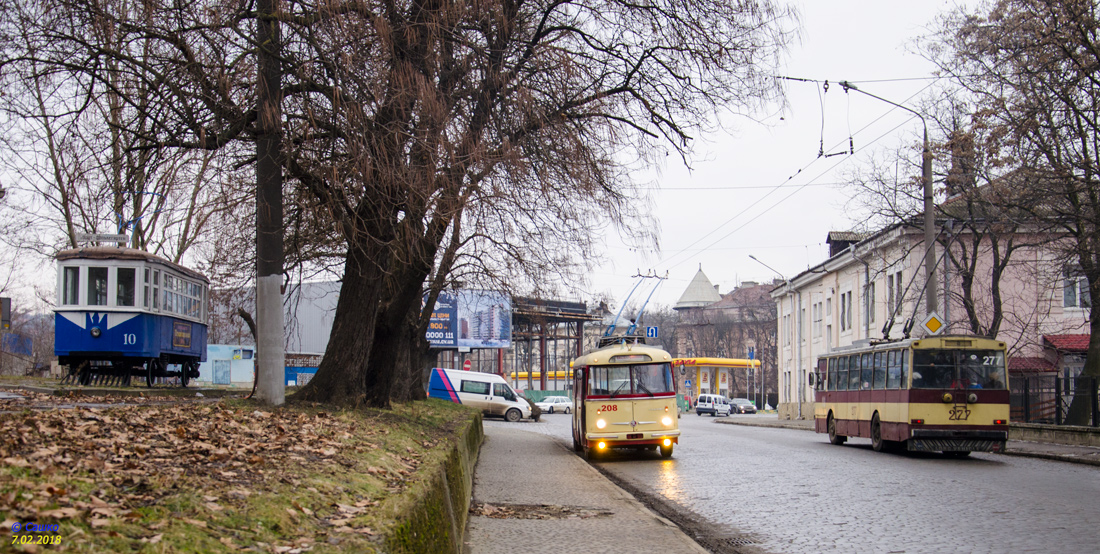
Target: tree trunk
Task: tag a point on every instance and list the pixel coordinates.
(342, 377)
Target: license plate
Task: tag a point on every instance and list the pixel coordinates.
(634, 436)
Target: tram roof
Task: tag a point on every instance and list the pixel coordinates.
(604, 355)
(128, 254)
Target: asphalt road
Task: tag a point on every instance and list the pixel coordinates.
(790, 491)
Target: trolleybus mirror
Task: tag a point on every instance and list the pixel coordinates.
(811, 377)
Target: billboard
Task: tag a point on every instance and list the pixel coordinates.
(471, 319)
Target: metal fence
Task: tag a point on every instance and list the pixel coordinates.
(1049, 399)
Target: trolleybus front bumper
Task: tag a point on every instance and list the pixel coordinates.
(948, 440)
(641, 438)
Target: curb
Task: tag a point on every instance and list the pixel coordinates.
(432, 515)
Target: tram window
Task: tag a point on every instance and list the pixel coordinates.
(880, 371)
(893, 369)
(70, 290)
(832, 374)
(842, 372)
(156, 289)
(97, 286)
(867, 371)
(853, 372)
(145, 296)
(125, 293)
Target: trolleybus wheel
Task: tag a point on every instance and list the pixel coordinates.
(833, 437)
(576, 444)
(666, 451)
(957, 453)
(513, 415)
(877, 444)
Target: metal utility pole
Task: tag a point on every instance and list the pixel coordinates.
(270, 334)
(931, 294)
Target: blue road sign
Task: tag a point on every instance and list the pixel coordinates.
(651, 332)
(752, 352)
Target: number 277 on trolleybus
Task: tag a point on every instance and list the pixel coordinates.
(939, 394)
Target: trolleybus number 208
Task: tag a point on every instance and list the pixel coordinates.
(609, 408)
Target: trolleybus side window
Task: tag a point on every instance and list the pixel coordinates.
(97, 286)
(853, 372)
(904, 355)
(125, 294)
(893, 369)
(880, 371)
(70, 291)
(842, 373)
(867, 370)
(832, 374)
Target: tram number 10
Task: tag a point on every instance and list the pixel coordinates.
(129, 338)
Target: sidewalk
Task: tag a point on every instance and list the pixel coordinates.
(556, 502)
(1062, 452)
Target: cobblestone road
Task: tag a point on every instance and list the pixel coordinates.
(792, 492)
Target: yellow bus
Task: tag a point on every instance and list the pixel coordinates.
(624, 396)
(935, 394)
(713, 375)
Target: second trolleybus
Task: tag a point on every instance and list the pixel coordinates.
(935, 394)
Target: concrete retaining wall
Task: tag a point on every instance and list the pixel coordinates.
(435, 518)
(1055, 434)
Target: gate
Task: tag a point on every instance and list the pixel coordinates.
(1050, 399)
(221, 372)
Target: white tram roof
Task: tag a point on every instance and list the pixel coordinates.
(623, 351)
(125, 254)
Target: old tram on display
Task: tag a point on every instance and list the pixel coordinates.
(123, 312)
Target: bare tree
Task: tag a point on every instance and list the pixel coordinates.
(1031, 66)
(425, 137)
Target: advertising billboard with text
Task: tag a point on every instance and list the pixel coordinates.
(471, 319)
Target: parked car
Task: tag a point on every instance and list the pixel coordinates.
(713, 404)
(552, 404)
(742, 406)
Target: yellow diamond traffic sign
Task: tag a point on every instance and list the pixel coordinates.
(933, 324)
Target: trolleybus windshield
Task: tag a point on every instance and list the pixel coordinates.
(941, 369)
(648, 379)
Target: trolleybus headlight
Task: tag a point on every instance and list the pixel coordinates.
(972, 398)
(96, 332)
(600, 424)
(947, 398)
(601, 445)
(666, 420)
(668, 442)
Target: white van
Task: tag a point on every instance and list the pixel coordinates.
(487, 391)
(713, 404)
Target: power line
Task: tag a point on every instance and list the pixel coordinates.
(669, 261)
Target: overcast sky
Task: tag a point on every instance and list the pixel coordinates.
(740, 198)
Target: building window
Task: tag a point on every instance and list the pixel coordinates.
(846, 311)
(1075, 290)
(817, 320)
(894, 292)
(871, 302)
(801, 322)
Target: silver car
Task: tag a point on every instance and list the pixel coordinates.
(552, 404)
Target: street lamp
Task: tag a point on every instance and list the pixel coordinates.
(929, 216)
(768, 266)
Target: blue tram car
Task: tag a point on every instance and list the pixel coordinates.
(123, 312)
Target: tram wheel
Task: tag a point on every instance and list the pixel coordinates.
(150, 372)
(666, 451)
(833, 437)
(185, 374)
(85, 375)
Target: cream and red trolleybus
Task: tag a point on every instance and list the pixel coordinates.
(937, 394)
(624, 396)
